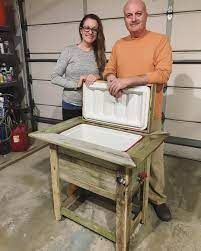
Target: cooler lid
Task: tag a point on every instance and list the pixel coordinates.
(130, 110)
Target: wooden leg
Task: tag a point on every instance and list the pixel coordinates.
(55, 181)
(123, 213)
(146, 191)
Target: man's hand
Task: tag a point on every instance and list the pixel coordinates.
(110, 78)
(116, 86)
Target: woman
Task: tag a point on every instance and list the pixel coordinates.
(81, 63)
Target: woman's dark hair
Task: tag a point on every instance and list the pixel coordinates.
(98, 44)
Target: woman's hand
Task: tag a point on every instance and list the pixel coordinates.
(90, 79)
(81, 81)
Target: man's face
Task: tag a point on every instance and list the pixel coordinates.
(135, 17)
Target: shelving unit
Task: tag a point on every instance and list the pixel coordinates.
(11, 83)
(9, 61)
(5, 28)
(8, 84)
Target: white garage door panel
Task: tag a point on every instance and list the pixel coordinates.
(52, 38)
(106, 8)
(157, 24)
(181, 5)
(50, 11)
(111, 37)
(183, 104)
(154, 24)
(156, 6)
(47, 93)
(42, 70)
(114, 8)
(186, 31)
(187, 55)
(185, 75)
(183, 129)
(45, 56)
(53, 112)
(183, 151)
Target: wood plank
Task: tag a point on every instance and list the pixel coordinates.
(146, 146)
(55, 181)
(90, 187)
(88, 224)
(70, 200)
(136, 222)
(91, 174)
(151, 109)
(146, 190)
(123, 212)
(92, 159)
(88, 149)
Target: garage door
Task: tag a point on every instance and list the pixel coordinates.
(52, 25)
(183, 99)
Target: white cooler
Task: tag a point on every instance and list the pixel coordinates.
(130, 111)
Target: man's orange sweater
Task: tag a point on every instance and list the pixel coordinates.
(149, 55)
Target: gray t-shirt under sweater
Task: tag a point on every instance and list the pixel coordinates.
(72, 63)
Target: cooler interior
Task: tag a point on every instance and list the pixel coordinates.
(106, 137)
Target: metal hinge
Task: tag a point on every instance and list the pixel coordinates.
(170, 12)
(121, 180)
(27, 53)
(24, 25)
(30, 79)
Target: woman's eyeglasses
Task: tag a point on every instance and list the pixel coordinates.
(88, 29)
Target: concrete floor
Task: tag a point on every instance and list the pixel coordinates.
(27, 221)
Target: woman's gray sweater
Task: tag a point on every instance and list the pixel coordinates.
(72, 63)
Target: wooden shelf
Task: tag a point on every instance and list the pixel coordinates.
(8, 84)
(5, 29)
(9, 58)
(2, 56)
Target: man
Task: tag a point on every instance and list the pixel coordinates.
(143, 58)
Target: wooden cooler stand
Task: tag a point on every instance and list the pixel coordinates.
(110, 173)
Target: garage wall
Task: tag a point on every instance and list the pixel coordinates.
(183, 116)
(52, 25)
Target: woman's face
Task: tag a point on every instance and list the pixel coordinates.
(89, 31)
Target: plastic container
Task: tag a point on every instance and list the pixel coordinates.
(19, 138)
(3, 19)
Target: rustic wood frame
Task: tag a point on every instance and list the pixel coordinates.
(110, 173)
